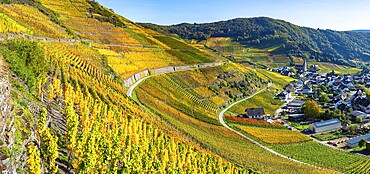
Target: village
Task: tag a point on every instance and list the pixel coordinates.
(332, 109)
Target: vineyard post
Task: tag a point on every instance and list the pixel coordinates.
(192, 108)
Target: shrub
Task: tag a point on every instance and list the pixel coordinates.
(26, 59)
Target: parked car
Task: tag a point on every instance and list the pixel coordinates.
(307, 131)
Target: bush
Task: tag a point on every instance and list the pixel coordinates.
(26, 59)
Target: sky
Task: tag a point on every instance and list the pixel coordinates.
(324, 14)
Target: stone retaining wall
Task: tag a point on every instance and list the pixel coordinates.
(134, 78)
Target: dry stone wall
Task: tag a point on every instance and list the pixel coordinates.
(6, 123)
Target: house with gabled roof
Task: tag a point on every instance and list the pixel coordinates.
(258, 113)
(306, 89)
(340, 96)
(289, 88)
(283, 96)
(354, 141)
(362, 104)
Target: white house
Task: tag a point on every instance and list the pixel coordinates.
(258, 113)
(325, 126)
(306, 89)
(298, 84)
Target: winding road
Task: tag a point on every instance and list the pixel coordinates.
(132, 88)
(222, 121)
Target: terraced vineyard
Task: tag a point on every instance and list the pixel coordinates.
(67, 62)
(9, 25)
(279, 81)
(225, 46)
(318, 154)
(243, 54)
(267, 99)
(130, 49)
(202, 126)
(183, 51)
(339, 69)
(359, 167)
(181, 90)
(96, 121)
(36, 22)
(87, 120)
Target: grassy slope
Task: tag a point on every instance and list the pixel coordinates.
(339, 69)
(241, 53)
(265, 99)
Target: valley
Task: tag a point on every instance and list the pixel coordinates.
(86, 90)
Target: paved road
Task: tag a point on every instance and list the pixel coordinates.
(222, 121)
(277, 113)
(132, 88)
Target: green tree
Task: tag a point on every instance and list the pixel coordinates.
(311, 109)
(324, 98)
(353, 128)
(358, 119)
(362, 142)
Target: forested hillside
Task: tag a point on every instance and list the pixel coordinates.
(291, 40)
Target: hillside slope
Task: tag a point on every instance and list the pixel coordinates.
(64, 107)
(63, 104)
(265, 33)
(125, 46)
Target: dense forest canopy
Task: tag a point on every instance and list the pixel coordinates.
(263, 32)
